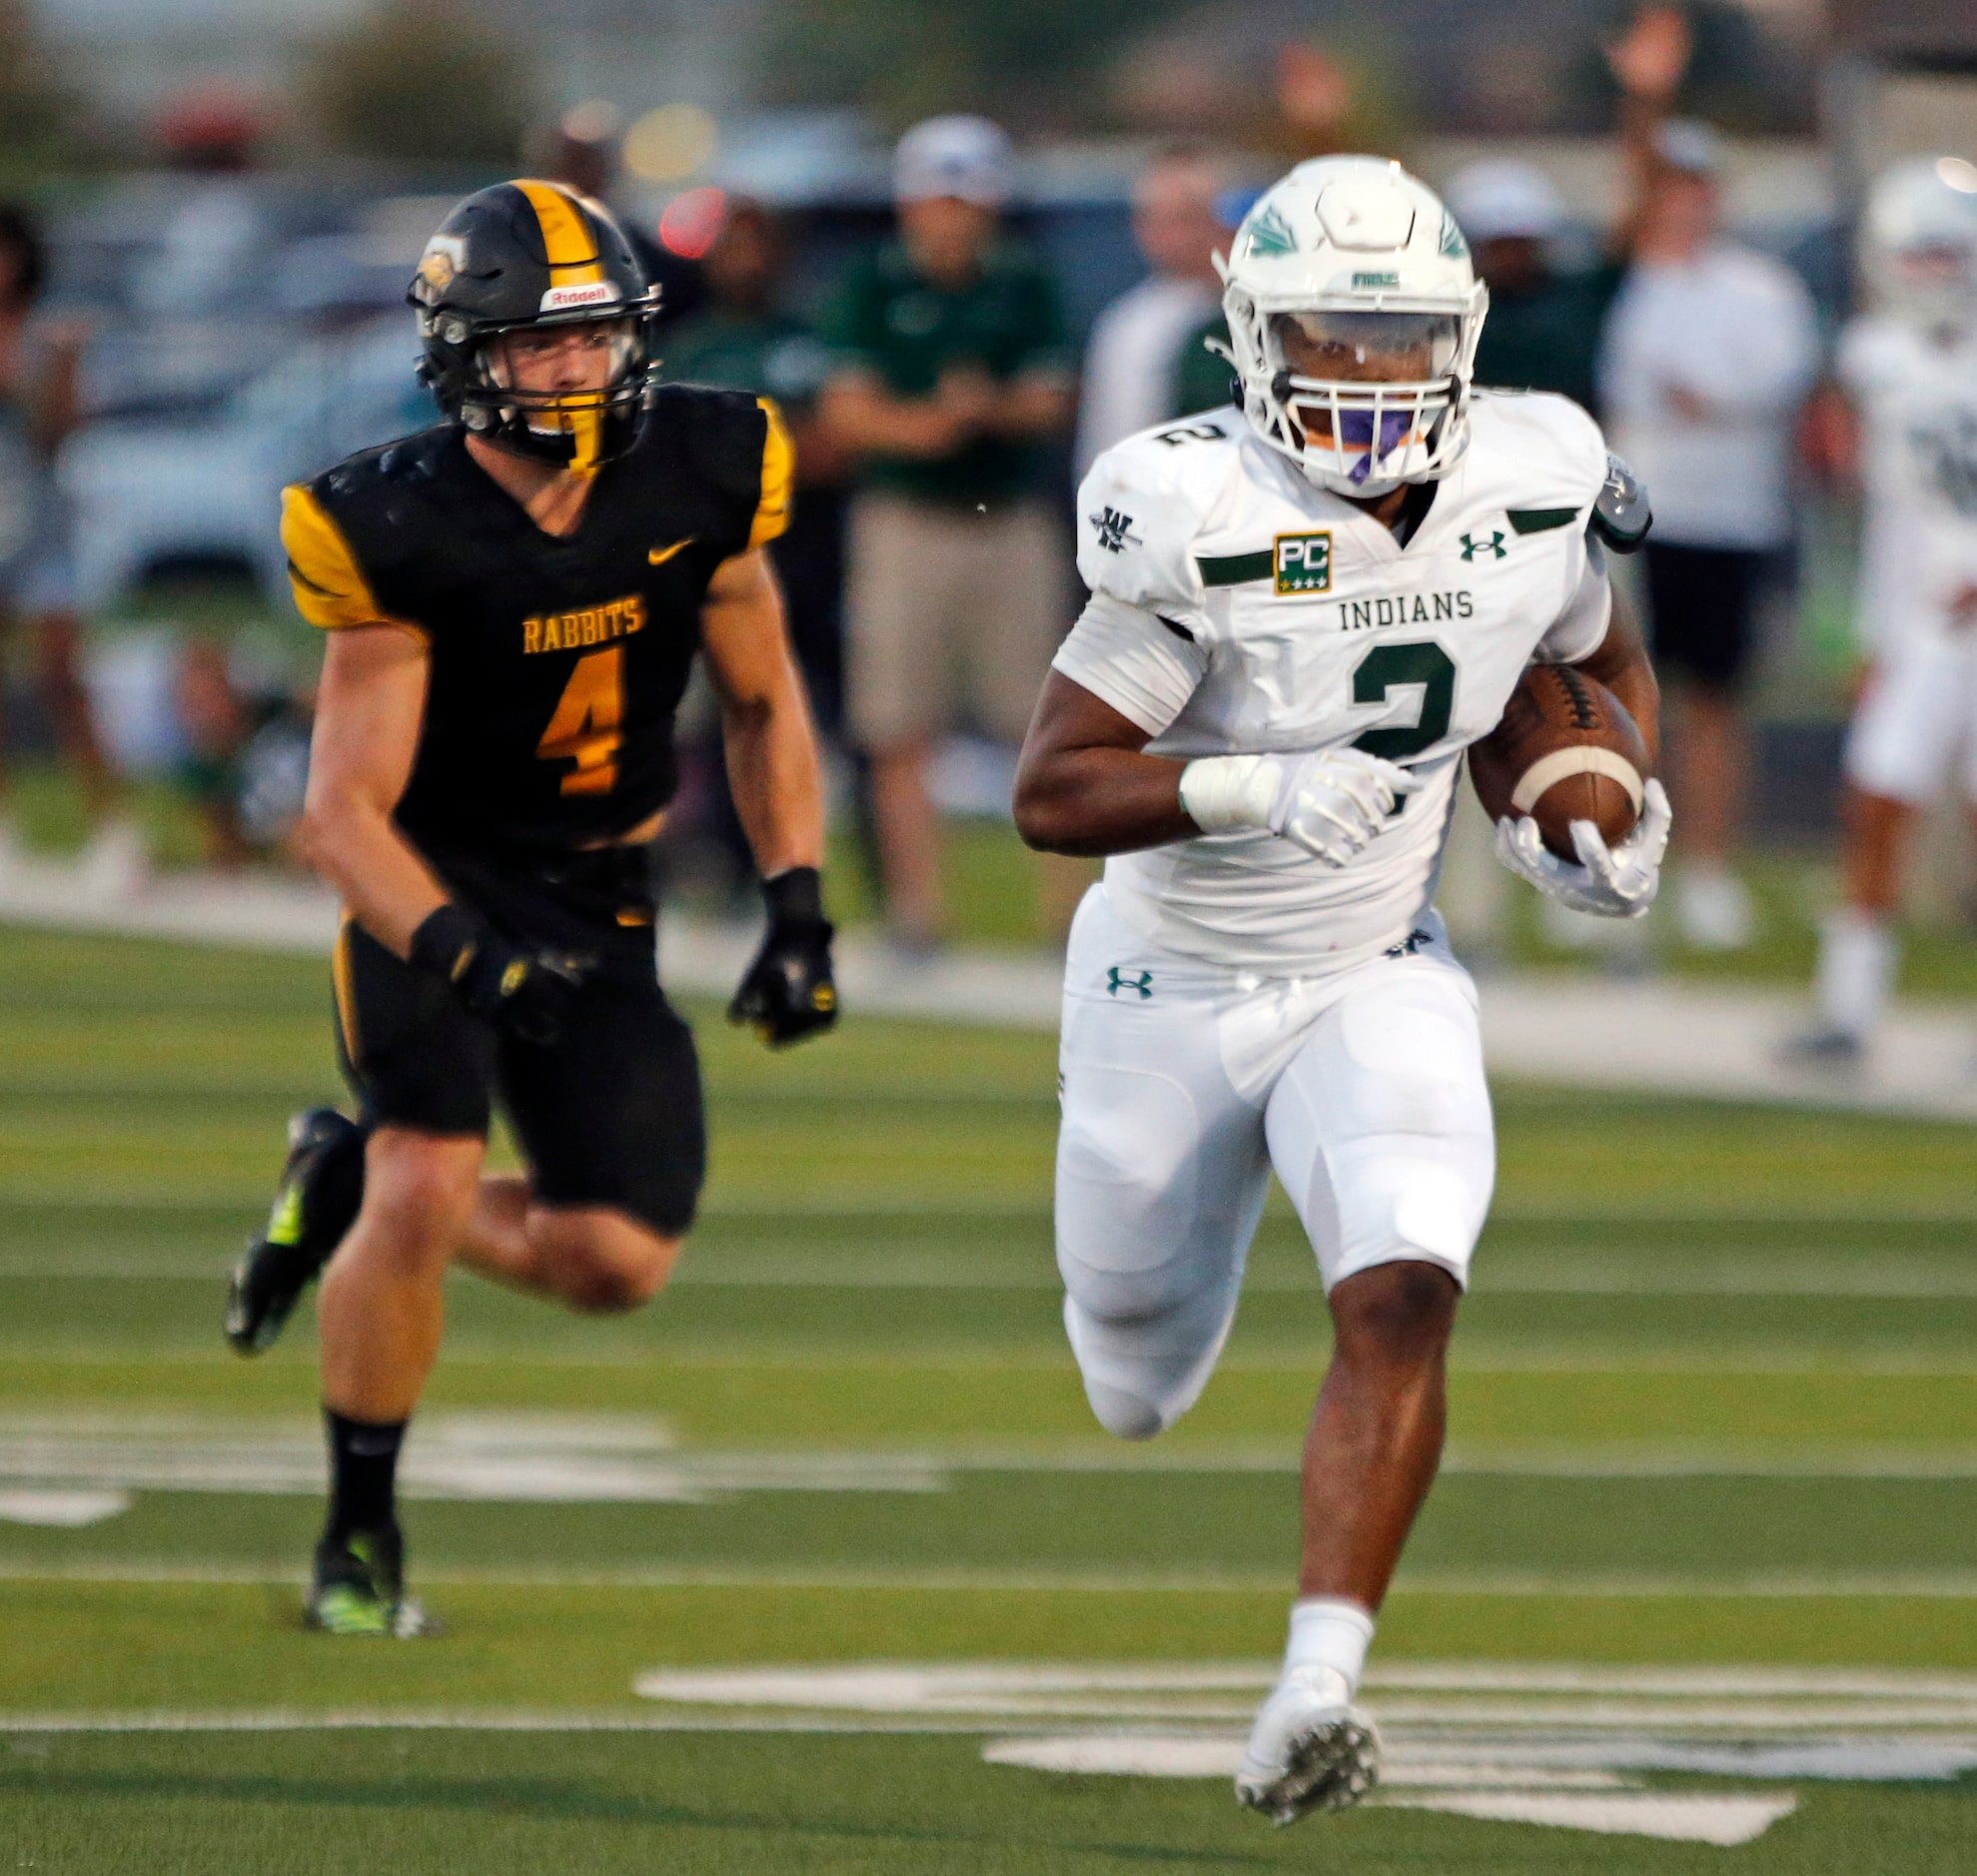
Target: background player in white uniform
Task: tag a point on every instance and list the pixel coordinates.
(1908, 368)
(1301, 612)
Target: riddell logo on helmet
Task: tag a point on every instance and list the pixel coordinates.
(566, 299)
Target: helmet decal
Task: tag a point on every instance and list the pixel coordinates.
(1268, 232)
(444, 258)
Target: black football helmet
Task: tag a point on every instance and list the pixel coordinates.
(529, 255)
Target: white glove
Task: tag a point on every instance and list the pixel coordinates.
(1330, 802)
(1615, 882)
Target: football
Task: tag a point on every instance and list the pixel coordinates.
(1566, 750)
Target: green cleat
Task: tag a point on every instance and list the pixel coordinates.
(322, 1188)
(359, 1588)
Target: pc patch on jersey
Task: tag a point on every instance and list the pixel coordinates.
(1304, 563)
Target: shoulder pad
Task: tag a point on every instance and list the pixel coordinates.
(1622, 514)
(1139, 510)
(717, 434)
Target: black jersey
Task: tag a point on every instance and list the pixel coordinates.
(557, 663)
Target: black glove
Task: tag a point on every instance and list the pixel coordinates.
(527, 993)
(788, 992)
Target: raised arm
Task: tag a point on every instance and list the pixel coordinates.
(368, 716)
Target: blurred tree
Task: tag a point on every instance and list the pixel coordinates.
(39, 116)
(1024, 60)
(420, 81)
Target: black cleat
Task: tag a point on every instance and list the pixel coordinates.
(358, 1588)
(322, 1188)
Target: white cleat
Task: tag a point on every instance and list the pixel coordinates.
(1309, 1750)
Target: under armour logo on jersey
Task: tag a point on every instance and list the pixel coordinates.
(1114, 530)
(1493, 546)
(1116, 980)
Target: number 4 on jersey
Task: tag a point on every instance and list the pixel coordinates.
(586, 728)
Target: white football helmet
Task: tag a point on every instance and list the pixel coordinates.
(1352, 258)
(1918, 242)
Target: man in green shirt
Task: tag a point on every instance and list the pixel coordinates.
(950, 373)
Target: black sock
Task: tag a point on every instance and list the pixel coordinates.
(364, 1464)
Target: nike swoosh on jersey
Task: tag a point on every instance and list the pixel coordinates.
(659, 557)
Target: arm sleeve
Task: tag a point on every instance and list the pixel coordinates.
(1581, 629)
(1143, 665)
(779, 470)
(330, 587)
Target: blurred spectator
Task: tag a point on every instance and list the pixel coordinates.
(747, 338)
(210, 130)
(1544, 324)
(1900, 427)
(1542, 332)
(1708, 355)
(38, 365)
(1139, 368)
(247, 761)
(581, 149)
(949, 373)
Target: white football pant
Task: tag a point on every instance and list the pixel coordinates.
(1184, 1082)
(1915, 719)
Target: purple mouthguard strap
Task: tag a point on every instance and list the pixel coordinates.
(1355, 429)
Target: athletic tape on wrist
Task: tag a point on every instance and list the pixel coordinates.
(1221, 794)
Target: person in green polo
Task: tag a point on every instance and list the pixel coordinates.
(745, 337)
(951, 374)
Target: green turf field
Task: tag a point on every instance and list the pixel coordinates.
(1712, 1485)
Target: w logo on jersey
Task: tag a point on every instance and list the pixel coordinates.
(1114, 530)
(1494, 546)
(1117, 980)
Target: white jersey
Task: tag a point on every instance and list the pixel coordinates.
(1238, 609)
(1917, 401)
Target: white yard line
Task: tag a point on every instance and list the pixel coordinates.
(954, 1272)
(1946, 1586)
(522, 1457)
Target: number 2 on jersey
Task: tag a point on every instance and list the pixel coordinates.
(586, 728)
(1384, 670)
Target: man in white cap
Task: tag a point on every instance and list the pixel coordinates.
(1708, 355)
(950, 369)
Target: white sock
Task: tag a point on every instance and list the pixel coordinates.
(1327, 1631)
(1857, 957)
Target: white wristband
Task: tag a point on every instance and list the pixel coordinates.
(1224, 792)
